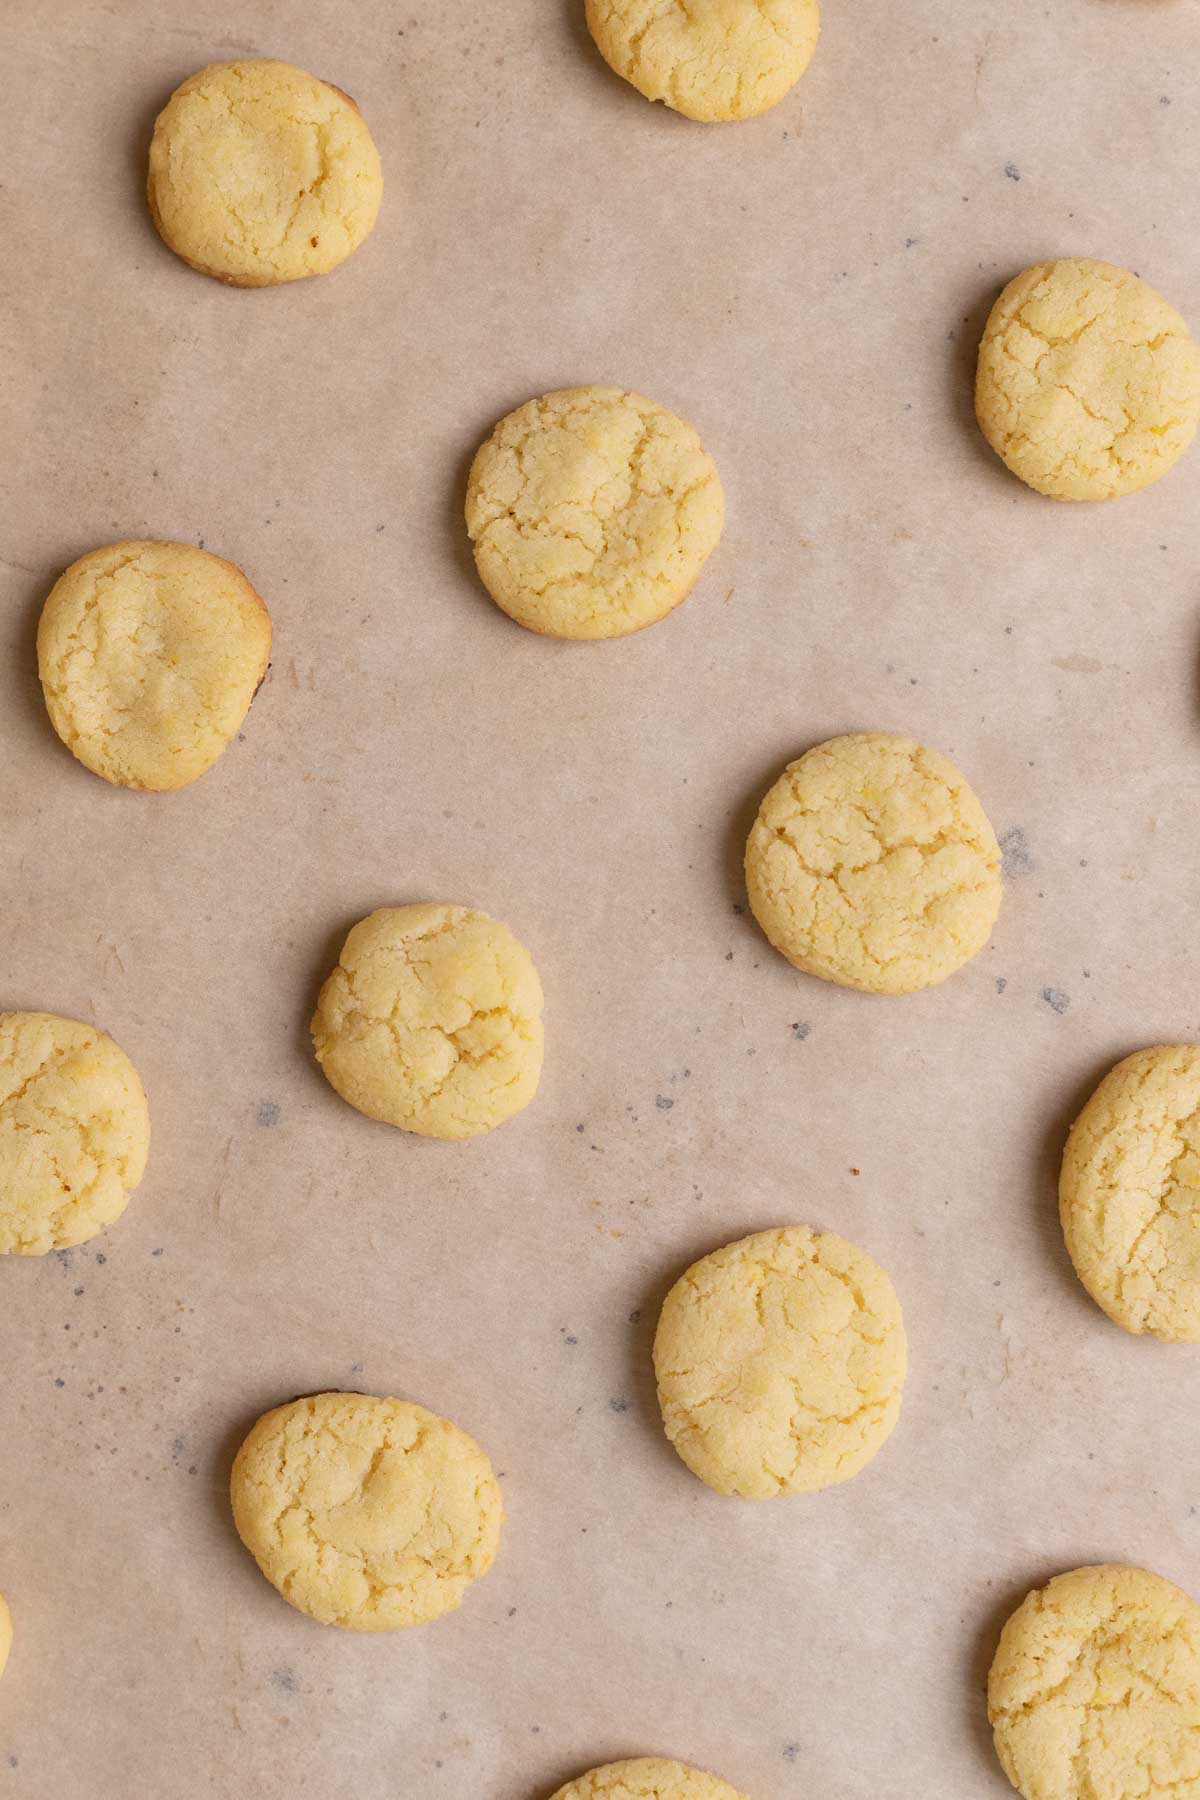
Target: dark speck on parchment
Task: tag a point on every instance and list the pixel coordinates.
(663, 1102)
(1012, 171)
(790, 1752)
(285, 1681)
(267, 1114)
(619, 1405)
(1055, 999)
(801, 1029)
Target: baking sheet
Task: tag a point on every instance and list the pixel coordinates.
(808, 289)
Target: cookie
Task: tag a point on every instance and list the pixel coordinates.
(1094, 1693)
(592, 512)
(432, 1021)
(74, 1132)
(1088, 383)
(366, 1513)
(780, 1363)
(647, 1778)
(708, 59)
(1129, 1193)
(872, 864)
(260, 173)
(5, 1633)
(149, 655)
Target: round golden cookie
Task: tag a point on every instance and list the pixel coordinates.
(260, 173)
(74, 1132)
(432, 1021)
(592, 512)
(780, 1362)
(647, 1778)
(5, 1633)
(366, 1513)
(1129, 1193)
(1088, 383)
(149, 655)
(1094, 1693)
(708, 59)
(872, 864)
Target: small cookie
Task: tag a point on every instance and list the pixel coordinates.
(647, 1778)
(1129, 1193)
(708, 59)
(5, 1632)
(260, 173)
(780, 1363)
(1088, 383)
(149, 655)
(366, 1513)
(1095, 1690)
(872, 864)
(432, 1021)
(592, 512)
(74, 1132)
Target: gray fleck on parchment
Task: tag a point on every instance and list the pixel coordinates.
(1055, 999)
(1015, 853)
(267, 1114)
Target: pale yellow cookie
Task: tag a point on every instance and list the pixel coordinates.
(74, 1132)
(592, 512)
(1094, 1693)
(366, 1513)
(1129, 1193)
(260, 173)
(780, 1362)
(872, 864)
(432, 1021)
(708, 59)
(647, 1778)
(5, 1633)
(1088, 383)
(149, 655)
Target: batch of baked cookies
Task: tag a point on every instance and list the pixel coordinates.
(780, 1359)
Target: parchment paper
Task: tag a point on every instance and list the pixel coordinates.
(808, 289)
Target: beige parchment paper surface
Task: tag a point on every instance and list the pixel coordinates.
(808, 289)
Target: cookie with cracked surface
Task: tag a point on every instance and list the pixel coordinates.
(1089, 382)
(873, 865)
(149, 655)
(780, 1363)
(363, 1512)
(592, 512)
(1094, 1693)
(1129, 1193)
(259, 174)
(707, 59)
(647, 1778)
(432, 1021)
(74, 1132)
